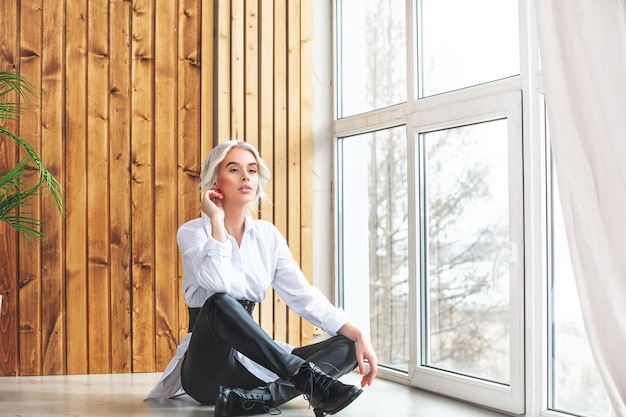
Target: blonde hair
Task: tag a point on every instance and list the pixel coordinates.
(208, 175)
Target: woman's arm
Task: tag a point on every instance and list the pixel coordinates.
(364, 351)
(309, 302)
(211, 205)
(206, 261)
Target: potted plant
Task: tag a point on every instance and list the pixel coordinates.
(14, 192)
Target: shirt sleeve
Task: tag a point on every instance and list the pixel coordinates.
(206, 262)
(302, 297)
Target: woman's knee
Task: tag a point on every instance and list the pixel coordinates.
(343, 342)
(218, 297)
(217, 300)
(211, 309)
(345, 354)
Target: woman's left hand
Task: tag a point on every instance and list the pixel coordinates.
(364, 352)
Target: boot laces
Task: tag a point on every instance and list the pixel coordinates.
(250, 402)
(320, 379)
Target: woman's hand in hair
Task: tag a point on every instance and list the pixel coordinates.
(211, 205)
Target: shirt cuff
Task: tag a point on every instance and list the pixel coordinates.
(214, 248)
(335, 322)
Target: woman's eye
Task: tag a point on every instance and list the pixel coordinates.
(234, 170)
(252, 171)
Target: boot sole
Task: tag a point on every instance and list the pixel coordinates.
(350, 397)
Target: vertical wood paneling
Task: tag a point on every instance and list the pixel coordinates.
(237, 69)
(120, 189)
(251, 77)
(52, 152)
(306, 151)
(76, 185)
(166, 103)
(207, 92)
(142, 151)
(129, 102)
(29, 267)
(223, 107)
(266, 99)
(193, 144)
(8, 237)
(98, 177)
(266, 140)
(280, 147)
(190, 111)
(251, 73)
(293, 158)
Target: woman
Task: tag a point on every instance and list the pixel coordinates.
(229, 260)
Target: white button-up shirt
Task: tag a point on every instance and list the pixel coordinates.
(245, 272)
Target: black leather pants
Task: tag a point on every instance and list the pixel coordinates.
(335, 356)
(222, 325)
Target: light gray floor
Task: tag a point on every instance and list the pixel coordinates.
(122, 395)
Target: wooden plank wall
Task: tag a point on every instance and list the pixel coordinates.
(130, 98)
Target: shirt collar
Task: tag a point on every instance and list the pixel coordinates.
(249, 225)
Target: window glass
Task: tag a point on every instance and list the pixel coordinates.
(374, 236)
(465, 43)
(468, 187)
(576, 387)
(467, 254)
(371, 71)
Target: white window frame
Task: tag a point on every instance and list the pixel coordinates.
(536, 219)
(465, 107)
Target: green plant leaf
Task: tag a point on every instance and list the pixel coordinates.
(10, 181)
(53, 185)
(14, 82)
(12, 211)
(13, 196)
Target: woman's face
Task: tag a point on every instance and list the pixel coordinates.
(237, 177)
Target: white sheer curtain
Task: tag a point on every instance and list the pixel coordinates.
(583, 54)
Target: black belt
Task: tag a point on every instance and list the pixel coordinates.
(194, 311)
(248, 305)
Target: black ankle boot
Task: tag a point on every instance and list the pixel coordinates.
(241, 402)
(325, 394)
